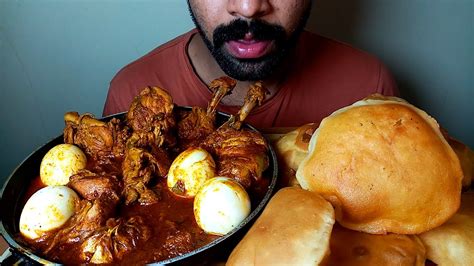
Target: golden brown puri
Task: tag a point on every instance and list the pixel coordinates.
(291, 149)
(385, 167)
(294, 229)
(466, 158)
(453, 242)
(352, 248)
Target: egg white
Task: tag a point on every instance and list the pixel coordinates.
(189, 171)
(221, 205)
(47, 209)
(61, 162)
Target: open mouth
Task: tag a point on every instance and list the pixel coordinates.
(249, 47)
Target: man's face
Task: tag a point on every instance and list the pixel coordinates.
(249, 38)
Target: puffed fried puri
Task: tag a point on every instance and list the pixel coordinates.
(294, 229)
(352, 248)
(466, 158)
(385, 167)
(291, 149)
(453, 242)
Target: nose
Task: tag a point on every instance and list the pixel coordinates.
(249, 8)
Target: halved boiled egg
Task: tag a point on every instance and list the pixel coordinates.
(189, 171)
(61, 162)
(47, 209)
(221, 205)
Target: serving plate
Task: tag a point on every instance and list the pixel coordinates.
(16, 185)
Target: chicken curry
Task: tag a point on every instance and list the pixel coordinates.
(126, 213)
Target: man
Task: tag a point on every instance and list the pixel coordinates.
(307, 76)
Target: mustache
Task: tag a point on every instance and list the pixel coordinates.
(237, 29)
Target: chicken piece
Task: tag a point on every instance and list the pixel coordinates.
(241, 154)
(91, 186)
(117, 238)
(101, 193)
(220, 87)
(151, 115)
(100, 140)
(93, 214)
(193, 127)
(105, 238)
(88, 217)
(178, 242)
(141, 139)
(139, 167)
(255, 96)
(196, 125)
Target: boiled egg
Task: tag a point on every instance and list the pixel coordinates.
(47, 209)
(61, 162)
(221, 205)
(189, 171)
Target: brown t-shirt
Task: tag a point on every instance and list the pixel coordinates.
(326, 76)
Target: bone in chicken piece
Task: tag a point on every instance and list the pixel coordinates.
(196, 125)
(255, 97)
(240, 154)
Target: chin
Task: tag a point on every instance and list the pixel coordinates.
(248, 69)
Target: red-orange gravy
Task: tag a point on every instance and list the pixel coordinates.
(171, 221)
(35, 185)
(168, 219)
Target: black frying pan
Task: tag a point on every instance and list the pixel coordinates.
(14, 188)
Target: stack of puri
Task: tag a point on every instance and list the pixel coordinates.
(376, 183)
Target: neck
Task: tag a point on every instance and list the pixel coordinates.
(207, 69)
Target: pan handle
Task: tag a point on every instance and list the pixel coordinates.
(11, 257)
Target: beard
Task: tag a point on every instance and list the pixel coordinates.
(256, 68)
